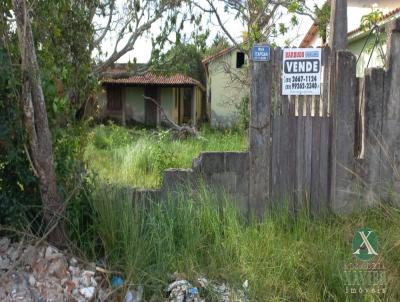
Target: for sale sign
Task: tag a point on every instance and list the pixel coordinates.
(301, 71)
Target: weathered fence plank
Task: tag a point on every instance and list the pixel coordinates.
(391, 112)
(316, 141)
(284, 149)
(324, 168)
(325, 86)
(291, 159)
(344, 98)
(260, 127)
(373, 93)
(300, 155)
(275, 161)
(308, 159)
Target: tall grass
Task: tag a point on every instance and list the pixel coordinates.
(138, 157)
(283, 258)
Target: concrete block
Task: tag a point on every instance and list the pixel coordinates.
(241, 202)
(225, 181)
(173, 178)
(237, 161)
(242, 183)
(210, 162)
(144, 196)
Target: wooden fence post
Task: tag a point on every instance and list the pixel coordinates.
(338, 25)
(259, 133)
(391, 114)
(373, 95)
(343, 134)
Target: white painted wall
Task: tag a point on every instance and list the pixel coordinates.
(359, 8)
(226, 93)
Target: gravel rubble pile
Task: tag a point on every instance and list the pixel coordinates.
(182, 290)
(44, 274)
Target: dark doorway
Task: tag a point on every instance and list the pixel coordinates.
(187, 105)
(114, 98)
(150, 108)
(239, 59)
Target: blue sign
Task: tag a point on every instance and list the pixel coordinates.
(260, 53)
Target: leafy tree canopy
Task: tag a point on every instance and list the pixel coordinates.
(323, 15)
(181, 58)
(219, 43)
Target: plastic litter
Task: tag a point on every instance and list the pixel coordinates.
(117, 281)
(134, 295)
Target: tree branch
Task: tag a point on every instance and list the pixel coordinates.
(175, 126)
(221, 24)
(108, 26)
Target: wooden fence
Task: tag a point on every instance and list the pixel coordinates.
(318, 150)
(300, 133)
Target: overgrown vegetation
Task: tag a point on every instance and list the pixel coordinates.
(323, 15)
(137, 157)
(283, 258)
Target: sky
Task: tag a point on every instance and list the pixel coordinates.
(143, 46)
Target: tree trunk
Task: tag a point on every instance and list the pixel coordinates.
(36, 124)
(338, 25)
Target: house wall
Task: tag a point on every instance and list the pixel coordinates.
(377, 60)
(223, 92)
(199, 99)
(196, 105)
(170, 98)
(168, 103)
(356, 10)
(134, 106)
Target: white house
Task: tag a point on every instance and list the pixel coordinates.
(356, 36)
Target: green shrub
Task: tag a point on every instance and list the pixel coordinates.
(243, 112)
(110, 136)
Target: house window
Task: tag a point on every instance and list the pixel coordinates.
(114, 98)
(239, 59)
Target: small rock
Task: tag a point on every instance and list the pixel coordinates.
(87, 292)
(91, 267)
(87, 279)
(51, 253)
(88, 273)
(75, 271)
(4, 243)
(70, 286)
(5, 262)
(75, 292)
(58, 268)
(13, 253)
(29, 255)
(32, 280)
(39, 268)
(73, 261)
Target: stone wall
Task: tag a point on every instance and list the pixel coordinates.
(221, 172)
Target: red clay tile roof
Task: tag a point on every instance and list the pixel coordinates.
(218, 54)
(309, 36)
(153, 79)
(314, 29)
(384, 18)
